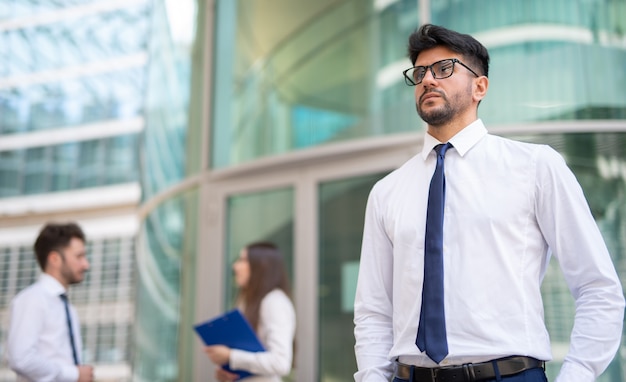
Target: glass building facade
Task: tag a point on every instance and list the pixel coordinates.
(310, 97)
(180, 131)
(73, 84)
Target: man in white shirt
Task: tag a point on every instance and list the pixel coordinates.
(44, 342)
(507, 207)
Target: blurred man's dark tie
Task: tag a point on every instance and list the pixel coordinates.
(69, 326)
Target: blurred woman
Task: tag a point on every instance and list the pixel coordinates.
(264, 299)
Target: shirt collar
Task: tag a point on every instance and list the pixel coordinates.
(52, 285)
(463, 141)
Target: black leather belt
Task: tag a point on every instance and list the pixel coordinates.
(468, 372)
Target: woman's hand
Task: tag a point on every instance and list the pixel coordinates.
(219, 354)
(224, 376)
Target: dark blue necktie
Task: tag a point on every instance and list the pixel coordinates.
(69, 326)
(431, 333)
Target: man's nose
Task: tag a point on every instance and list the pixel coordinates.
(429, 77)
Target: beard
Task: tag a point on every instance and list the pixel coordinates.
(439, 116)
(448, 111)
(71, 277)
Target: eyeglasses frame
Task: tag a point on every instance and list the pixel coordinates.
(409, 81)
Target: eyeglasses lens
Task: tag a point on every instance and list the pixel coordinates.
(443, 69)
(440, 69)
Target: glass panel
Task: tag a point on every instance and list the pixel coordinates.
(308, 81)
(65, 160)
(122, 153)
(111, 270)
(266, 216)
(332, 72)
(27, 269)
(105, 343)
(166, 295)
(166, 238)
(72, 102)
(18, 8)
(7, 284)
(342, 213)
(11, 163)
(91, 156)
(599, 163)
(70, 166)
(74, 41)
(165, 144)
(552, 54)
(36, 170)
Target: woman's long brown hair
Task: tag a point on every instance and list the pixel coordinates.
(267, 272)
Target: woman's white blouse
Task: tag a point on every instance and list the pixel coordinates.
(277, 327)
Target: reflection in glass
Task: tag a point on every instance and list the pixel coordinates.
(84, 100)
(164, 242)
(90, 38)
(69, 166)
(334, 72)
(33, 7)
(599, 162)
(342, 211)
(309, 82)
(262, 216)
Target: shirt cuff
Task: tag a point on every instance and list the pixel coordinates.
(237, 360)
(69, 373)
(573, 372)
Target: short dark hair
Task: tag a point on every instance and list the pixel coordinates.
(429, 36)
(54, 237)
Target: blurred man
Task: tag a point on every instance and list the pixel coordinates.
(44, 342)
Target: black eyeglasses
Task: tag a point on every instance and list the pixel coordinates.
(440, 69)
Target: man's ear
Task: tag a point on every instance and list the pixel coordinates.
(481, 84)
(54, 260)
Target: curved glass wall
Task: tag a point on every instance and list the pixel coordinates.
(165, 149)
(290, 79)
(547, 57)
(307, 77)
(166, 243)
(334, 73)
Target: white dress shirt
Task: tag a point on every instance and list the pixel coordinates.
(508, 206)
(276, 331)
(38, 342)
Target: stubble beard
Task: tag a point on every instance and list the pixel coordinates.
(444, 114)
(437, 116)
(71, 277)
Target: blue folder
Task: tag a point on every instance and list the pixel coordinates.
(233, 330)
